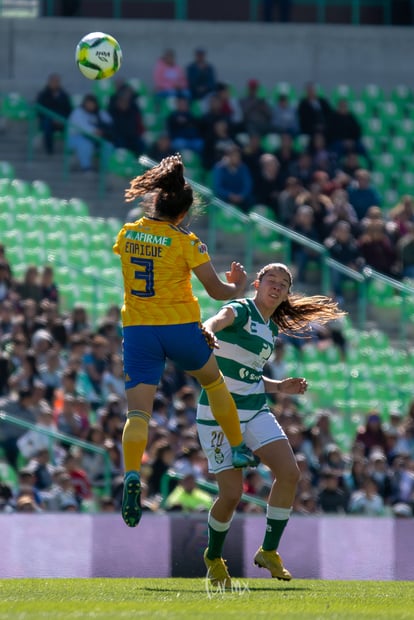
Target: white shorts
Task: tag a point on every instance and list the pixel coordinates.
(261, 430)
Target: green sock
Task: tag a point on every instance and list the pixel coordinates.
(276, 522)
(217, 533)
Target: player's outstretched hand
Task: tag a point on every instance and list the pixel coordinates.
(210, 337)
(237, 275)
(293, 385)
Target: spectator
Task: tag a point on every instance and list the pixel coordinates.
(30, 288)
(187, 497)
(162, 461)
(371, 434)
(90, 133)
(302, 168)
(402, 215)
(48, 285)
(95, 363)
(201, 76)
(127, 123)
(94, 463)
(217, 143)
(286, 154)
(169, 77)
(252, 152)
(161, 148)
(322, 158)
(18, 407)
(285, 117)
(69, 421)
(345, 133)
(81, 483)
(268, 183)
(32, 442)
(405, 252)
(304, 224)
(343, 247)
(213, 113)
(256, 112)
(354, 477)
(288, 200)
(362, 195)
(341, 210)
(314, 112)
(232, 181)
(54, 98)
(377, 250)
(229, 106)
(402, 481)
(6, 284)
(183, 129)
(331, 498)
(367, 501)
(23, 378)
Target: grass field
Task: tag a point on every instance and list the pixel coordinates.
(39, 599)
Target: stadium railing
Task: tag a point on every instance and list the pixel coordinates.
(210, 487)
(180, 7)
(67, 439)
(322, 6)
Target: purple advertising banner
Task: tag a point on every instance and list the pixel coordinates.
(70, 545)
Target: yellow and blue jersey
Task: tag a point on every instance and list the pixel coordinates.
(157, 259)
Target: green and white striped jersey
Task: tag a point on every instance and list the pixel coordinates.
(245, 347)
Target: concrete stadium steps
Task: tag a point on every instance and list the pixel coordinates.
(14, 148)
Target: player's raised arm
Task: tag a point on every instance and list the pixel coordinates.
(216, 287)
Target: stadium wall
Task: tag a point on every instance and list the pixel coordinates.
(328, 54)
(347, 548)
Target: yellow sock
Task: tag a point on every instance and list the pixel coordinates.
(134, 439)
(224, 410)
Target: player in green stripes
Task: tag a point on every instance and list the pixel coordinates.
(246, 330)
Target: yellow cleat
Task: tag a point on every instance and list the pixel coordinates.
(217, 572)
(273, 562)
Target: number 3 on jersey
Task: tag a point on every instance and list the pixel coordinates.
(146, 273)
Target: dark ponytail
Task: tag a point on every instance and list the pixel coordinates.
(166, 182)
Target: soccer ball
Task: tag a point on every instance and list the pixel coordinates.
(98, 55)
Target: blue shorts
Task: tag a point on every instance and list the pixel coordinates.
(146, 348)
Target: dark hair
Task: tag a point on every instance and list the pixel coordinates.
(298, 311)
(172, 195)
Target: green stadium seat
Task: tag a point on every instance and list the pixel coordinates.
(406, 182)
(7, 170)
(76, 206)
(123, 163)
(271, 142)
(402, 95)
(41, 190)
(20, 188)
(284, 88)
(373, 94)
(103, 89)
(342, 91)
(139, 86)
(15, 106)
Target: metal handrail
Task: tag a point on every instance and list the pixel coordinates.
(211, 487)
(85, 445)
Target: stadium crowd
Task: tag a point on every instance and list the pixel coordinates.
(59, 372)
(304, 162)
